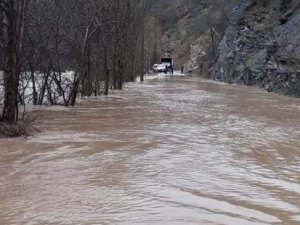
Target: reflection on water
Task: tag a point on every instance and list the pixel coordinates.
(173, 151)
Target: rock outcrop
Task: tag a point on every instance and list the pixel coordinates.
(188, 41)
(261, 47)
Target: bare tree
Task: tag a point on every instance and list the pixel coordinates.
(58, 50)
(14, 15)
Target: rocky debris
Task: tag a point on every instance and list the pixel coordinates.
(178, 39)
(199, 54)
(258, 49)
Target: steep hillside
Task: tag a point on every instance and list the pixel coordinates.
(187, 37)
(250, 42)
(262, 46)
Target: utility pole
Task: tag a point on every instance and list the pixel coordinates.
(155, 32)
(148, 52)
(143, 47)
(212, 33)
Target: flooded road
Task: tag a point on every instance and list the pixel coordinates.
(174, 151)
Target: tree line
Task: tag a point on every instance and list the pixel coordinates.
(53, 51)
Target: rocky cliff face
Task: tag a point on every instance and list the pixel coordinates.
(188, 41)
(261, 46)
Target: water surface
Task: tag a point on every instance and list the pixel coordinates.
(173, 151)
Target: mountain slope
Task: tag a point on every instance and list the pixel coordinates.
(250, 42)
(188, 38)
(262, 47)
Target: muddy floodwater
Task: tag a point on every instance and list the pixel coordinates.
(171, 151)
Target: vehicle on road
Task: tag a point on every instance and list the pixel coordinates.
(165, 66)
(168, 62)
(159, 68)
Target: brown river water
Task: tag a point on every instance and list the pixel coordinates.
(171, 151)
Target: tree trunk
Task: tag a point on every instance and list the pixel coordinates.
(114, 78)
(155, 34)
(106, 70)
(79, 73)
(43, 90)
(143, 50)
(32, 78)
(14, 20)
(120, 75)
